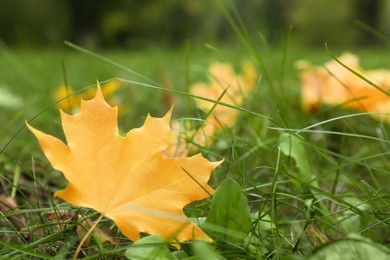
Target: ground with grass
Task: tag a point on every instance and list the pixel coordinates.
(312, 184)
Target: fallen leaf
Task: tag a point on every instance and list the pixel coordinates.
(167, 98)
(85, 225)
(71, 100)
(333, 84)
(18, 221)
(127, 179)
(55, 216)
(222, 76)
(188, 137)
(61, 217)
(227, 87)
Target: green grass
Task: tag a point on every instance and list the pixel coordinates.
(308, 179)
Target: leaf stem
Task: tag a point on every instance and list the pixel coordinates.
(86, 236)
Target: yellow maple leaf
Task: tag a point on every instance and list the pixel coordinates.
(127, 178)
(71, 103)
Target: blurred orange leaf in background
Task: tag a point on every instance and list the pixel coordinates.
(333, 84)
(222, 77)
(71, 101)
(128, 179)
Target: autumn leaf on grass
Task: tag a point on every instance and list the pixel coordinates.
(70, 101)
(333, 84)
(223, 77)
(128, 179)
(225, 86)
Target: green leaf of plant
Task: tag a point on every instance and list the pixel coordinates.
(229, 217)
(350, 249)
(203, 250)
(292, 145)
(349, 219)
(9, 100)
(150, 247)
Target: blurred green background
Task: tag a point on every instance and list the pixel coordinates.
(137, 24)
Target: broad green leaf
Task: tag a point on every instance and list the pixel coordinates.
(256, 243)
(203, 250)
(263, 224)
(150, 247)
(350, 249)
(9, 100)
(181, 254)
(229, 217)
(349, 219)
(292, 145)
